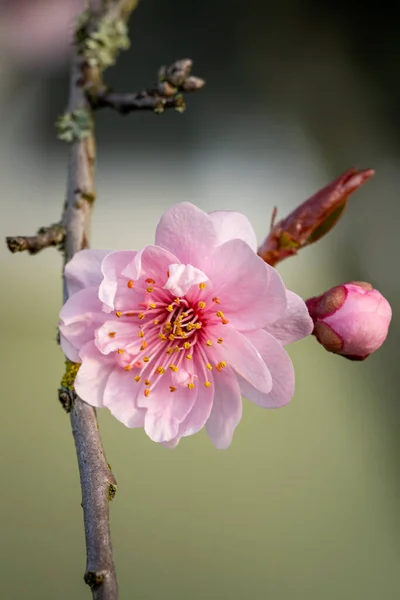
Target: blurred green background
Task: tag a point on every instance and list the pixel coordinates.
(304, 504)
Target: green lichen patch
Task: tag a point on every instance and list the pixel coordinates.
(74, 126)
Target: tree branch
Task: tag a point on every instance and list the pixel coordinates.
(46, 236)
(172, 82)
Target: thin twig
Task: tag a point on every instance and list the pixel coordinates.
(46, 236)
(173, 81)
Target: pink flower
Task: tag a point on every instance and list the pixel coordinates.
(351, 319)
(171, 336)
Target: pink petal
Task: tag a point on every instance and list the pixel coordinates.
(69, 350)
(116, 334)
(251, 293)
(92, 376)
(182, 277)
(84, 270)
(201, 410)
(231, 225)
(281, 369)
(166, 410)
(113, 281)
(120, 397)
(80, 316)
(238, 351)
(153, 262)
(187, 232)
(226, 411)
(295, 324)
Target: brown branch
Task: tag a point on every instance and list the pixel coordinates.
(173, 81)
(46, 236)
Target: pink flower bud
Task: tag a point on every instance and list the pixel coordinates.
(351, 319)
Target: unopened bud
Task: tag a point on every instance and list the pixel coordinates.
(351, 319)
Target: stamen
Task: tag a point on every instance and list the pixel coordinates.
(170, 308)
(172, 388)
(137, 378)
(130, 314)
(224, 321)
(189, 356)
(128, 367)
(162, 337)
(144, 345)
(141, 316)
(171, 337)
(156, 321)
(186, 345)
(152, 305)
(118, 314)
(161, 370)
(149, 280)
(146, 359)
(201, 304)
(173, 368)
(220, 340)
(207, 384)
(190, 386)
(209, 366)
(147, 382)
(221, 365)
(120, 351)
(170, 351)
(216, 300)
(112, 334)
(146, 392)
(202, 286)
(208, 343)
(168, 326)
(177, 301)
(149, 289)
(220, 314)
(130, 283)
(141, 334)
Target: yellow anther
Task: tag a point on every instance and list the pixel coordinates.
(197, 325)
(146, 392)
(186, 345)
(170, 351)
(120, 351)
(170, 308)
(209, 366)
(220, 340)
(220, 314)
(189, 326)
(147, 382)
(224, 321)
(156, 321)
(149, 280)
(221, 365)
(189, 356)
(144, 345)
(128, 367)
(119, 314)
(184, 314)
(111, 334)
(176, 349)
(141, 334)
(172, 388)
(137, 378)
(173, 368)
(168, 326)
(149, 289)
(146, 359)
(207, 384)
(177, 301)
(141, 316)
(190, 386)
(201, 304)
(130, 283)
(152, 305)
(216, 300)
(208, 343)
(171, 337)
(202, 286)
(160, 370)
(162, 337)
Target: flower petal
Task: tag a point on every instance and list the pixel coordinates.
(167, 409)
(182, 277)
(120, 397)
(117, 335)
(251, 293)
(187, 232)
(92, 376)
(201, 410)
(295, 324)
(226, 411)
(80, 316)
(153, 262)
(231, 225)
(238, 352)
(84, 270)
(114, 281)
(281, 369)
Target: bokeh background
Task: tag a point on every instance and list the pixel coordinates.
(305, 503)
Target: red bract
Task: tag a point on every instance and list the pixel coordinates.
(310, 221)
